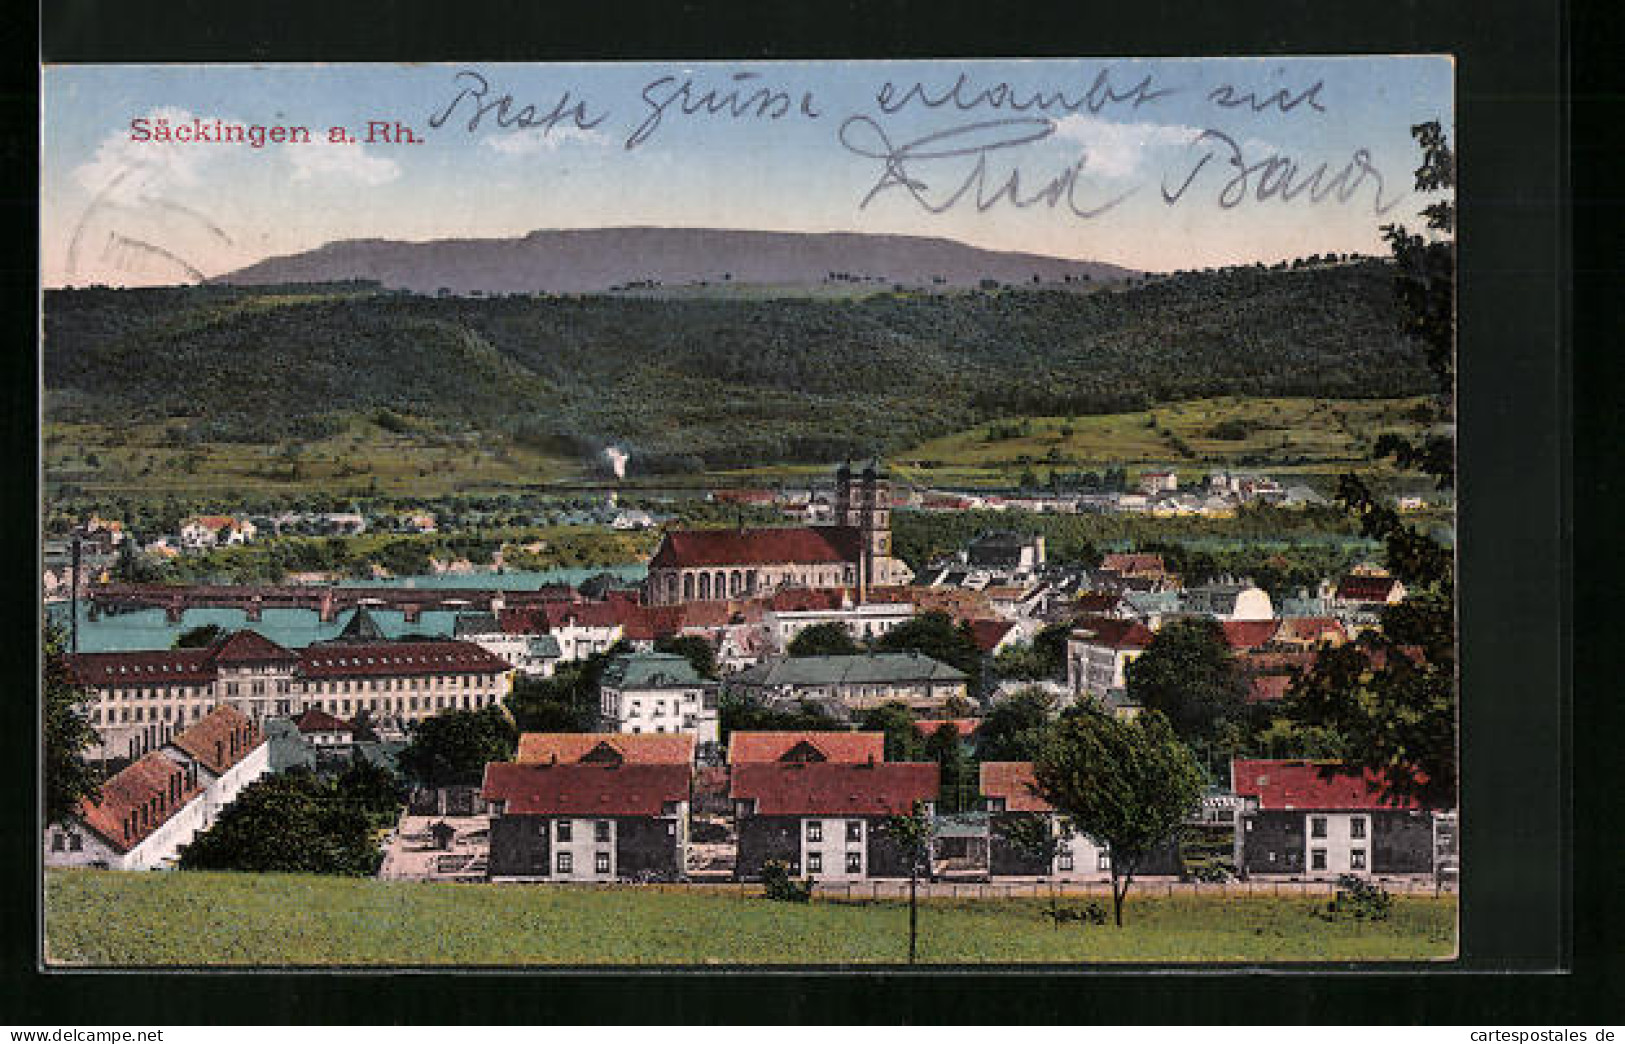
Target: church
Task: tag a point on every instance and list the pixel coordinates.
(694, 565)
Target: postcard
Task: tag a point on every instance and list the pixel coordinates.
(819, 514)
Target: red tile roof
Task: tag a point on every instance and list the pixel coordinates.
(1132, 564)
(318, 720)
(834, 788)
(1356, 588)
(246, 647)
(220, 740)
(1015, 783)
(989, 633)
(1267, 688)
(633, 748)
(1311, 785)
(1311, 629)
(851, 747)
(966, 727)
(142, 667)
(1115, 634)
(743, 496)
(152, 784)
(371, 659)
(577, 789)
(1097, 602)
(810, 545)
(1248, 634)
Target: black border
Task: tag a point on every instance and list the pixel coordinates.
(1512, 126)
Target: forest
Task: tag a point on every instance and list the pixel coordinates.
(687, 385)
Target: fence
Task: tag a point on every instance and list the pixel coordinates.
(857, 891)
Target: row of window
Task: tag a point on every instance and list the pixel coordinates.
(566, 862)
(468, 681)
(815, 830)
(854, 862)
(1317, 859)
(1317, 827)
(564, 830)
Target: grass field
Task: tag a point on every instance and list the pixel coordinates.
(1283, 436)
(101, 918)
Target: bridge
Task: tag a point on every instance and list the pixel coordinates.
(327, 602)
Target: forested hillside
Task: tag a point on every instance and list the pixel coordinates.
(686, 384)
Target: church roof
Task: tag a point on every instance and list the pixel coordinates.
(800, 545)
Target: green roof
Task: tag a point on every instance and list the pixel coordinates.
(862, 669)
(651, 671)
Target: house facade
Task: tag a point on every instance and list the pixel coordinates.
(1016, 811)
(1316, 821)
(1098, 653)
(153, 807)
(846, 684)
(824, 819)
(587, 821)
(144, 697)
(658, 693)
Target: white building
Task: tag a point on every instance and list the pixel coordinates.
(1098, 654)
(1229, 601)
(206, 531)
(534, 655)
(149, 810)
(863, 622)
(658, 692)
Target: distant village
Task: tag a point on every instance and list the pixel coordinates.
(660, 788)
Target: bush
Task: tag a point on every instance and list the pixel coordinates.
(1357, 900)
(781, 887)
(1089, 913)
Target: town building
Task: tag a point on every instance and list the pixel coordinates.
(704, 564)
(144, 697)
(846, 684)
(755, 748)
(826, 819)
(790, 612)
(658, 692)
(1098, 653)
(321, 729)
(207, 531)
(1019, 821)
(587, 821)
(1318, 820)
(532, 655)
(1229, 601)
(647, 748)
(149, 810)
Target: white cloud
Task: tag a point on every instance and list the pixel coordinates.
(541, 139)
(1120, 150)
(127, 171)
(320, 160)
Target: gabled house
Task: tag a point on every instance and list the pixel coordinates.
(1318, 820)
(757, 748)
(321, 729)
(826, 819)
(1010, 796)
(587, 821)
(1098, 652)
(605, 748)
(659, 693)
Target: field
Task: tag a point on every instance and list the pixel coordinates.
(113, 919)
(1283, 436)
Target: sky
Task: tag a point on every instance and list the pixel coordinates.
(1156, 165)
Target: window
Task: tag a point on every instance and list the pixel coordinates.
(600, 863)
(566, 862)
(854, 830)
(1356, 859)
(815, 830)
(75, 843)
(854, 862)
(562, 830)
(1357, 828)
(1317, 859)
(1104, 861)
(815, 862)
(1063, 861)
(56, 842)
(1317, 826)
(600, 830)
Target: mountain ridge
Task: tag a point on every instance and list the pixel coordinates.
(596, 260)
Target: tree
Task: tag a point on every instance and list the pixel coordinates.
(912, 834)
(1128, 784)
(453, 748)
(693, 648)
(199, 637)
(1014, 729)
(291, 822)
(373, 788)
(937, 636)
(958, 789)
(740, 713)
(826, 639)
(67, 734)
(903, 741)
(1391, 695)
(1189, 674)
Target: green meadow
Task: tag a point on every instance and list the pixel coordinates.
(98, 918)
